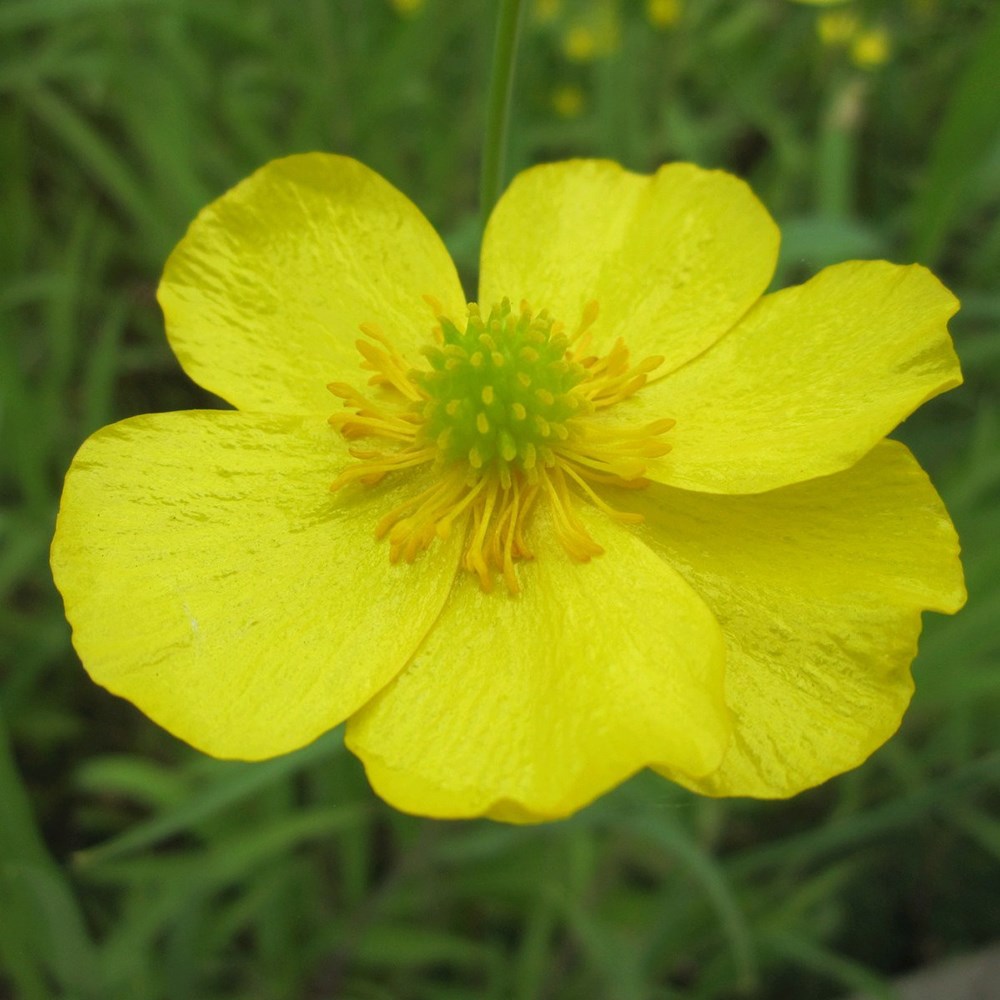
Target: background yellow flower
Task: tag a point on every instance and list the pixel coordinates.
(871, 48)
(568, 101)
(837, 27)
(408, 7)
(663, 13)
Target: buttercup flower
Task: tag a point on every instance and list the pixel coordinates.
(871, 48)
(629, 511)
(663, 13)
(408, 7)
(568, 101)
(592, 32)
(837, 27)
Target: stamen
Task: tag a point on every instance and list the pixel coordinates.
(388, 366)
(573, 535)
(625, 516)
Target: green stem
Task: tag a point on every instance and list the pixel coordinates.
(19, 836)
(498, 112)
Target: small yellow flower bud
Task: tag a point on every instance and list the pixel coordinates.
(663, 13)
(407, 8)
(836, 27)
(545, 11)
(580, 44)
(568, 101)
(871, 48)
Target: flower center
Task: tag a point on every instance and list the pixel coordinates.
(500, 391)
(506, 414)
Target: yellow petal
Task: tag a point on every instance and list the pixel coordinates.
(528, 708)
(819, 588)
(673, 259)
(808, 382)
(264, 295)
(212, 578)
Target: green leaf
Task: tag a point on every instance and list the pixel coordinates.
(234, 783)
(970, 130)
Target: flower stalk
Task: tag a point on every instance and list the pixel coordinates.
(509, 21)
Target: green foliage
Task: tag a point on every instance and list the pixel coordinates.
(132, 868)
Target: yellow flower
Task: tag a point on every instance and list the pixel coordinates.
(581, 44)
(646, 517)
(837, 27)
(594, 33)
(871, 48)
(568, 101)
(407, 8)
(545, 11)
(663, 13)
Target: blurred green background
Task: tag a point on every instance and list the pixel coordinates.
(130, 866)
